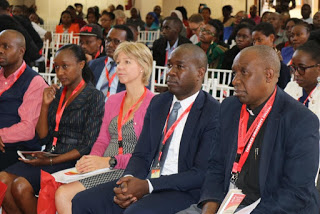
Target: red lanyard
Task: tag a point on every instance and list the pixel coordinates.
(20, 72)
(304, 103)
(97, 54)
(244, 136)
(121, 121)
(61, 108)
(168, 133)
(108, 77)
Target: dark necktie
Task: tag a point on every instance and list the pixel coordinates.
(171, 120)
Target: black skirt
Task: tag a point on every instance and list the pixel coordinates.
(32, 173)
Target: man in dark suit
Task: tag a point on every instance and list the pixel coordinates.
(170, 182)
(110, 85)
(163, 47)
(282, 160)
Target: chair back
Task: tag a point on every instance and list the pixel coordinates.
(158, 77)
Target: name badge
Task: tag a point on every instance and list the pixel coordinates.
(155, 172)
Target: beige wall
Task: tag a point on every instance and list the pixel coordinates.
(50, 10)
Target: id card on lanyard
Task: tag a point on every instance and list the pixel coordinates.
(20, 72)
(246, 138)
(60, 111)
(121, 121)
(155, 171)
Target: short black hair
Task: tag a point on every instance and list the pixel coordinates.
(206, 8)
(176, 21)
(129, 34)
(110, 14)
(227, 8)
(312, 48)
(295, 20)
(265, 28)
(4, 4)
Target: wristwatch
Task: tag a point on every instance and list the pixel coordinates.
(112, 162)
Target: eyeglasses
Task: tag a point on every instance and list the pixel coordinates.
(301, 70)
(115, 41)
(203, 30)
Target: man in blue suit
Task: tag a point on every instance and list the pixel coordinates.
(282, 160)
(170, 182)
(104, 68)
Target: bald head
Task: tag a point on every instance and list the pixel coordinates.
(12, 49)
(267, 57)
(256, 71)
(15, 36)
(197, 54)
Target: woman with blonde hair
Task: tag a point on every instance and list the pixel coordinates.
(121, 126)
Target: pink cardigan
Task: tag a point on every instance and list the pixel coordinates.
(112, 109)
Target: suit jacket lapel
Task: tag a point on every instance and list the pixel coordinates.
(159, 119)
(190, 127)
(270, 138)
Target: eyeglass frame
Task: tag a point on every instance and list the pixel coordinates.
(208, 32)
(115, 41)
(301, 70)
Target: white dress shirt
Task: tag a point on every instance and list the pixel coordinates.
(171, 162)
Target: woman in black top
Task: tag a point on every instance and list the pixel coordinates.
(81, 117)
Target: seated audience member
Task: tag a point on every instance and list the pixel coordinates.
(152, 22)
(239, 16)
(157, 11)
(63, 135)
(120, 17)
(316, 21)
(79, 9)
(299, 35)
(288, 28)
(21, 89)
(281, 158)
(178, 14)
(265, 16)
(163, 47)
(284, 16)
(91, 41)
(66, 24)
(74, 17)
(111, 8)
(264, 34)
(134, 66)
(227, 20)
(104, 68)
(274, 19)
(135, 18)
(230, 32)
(253, 14)
(306, 68)
(305, 13)
(206, 13)
(243, 40)
(93, 17)
(195, 23)
(165, 178)
(107, 21)
(209, 38)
